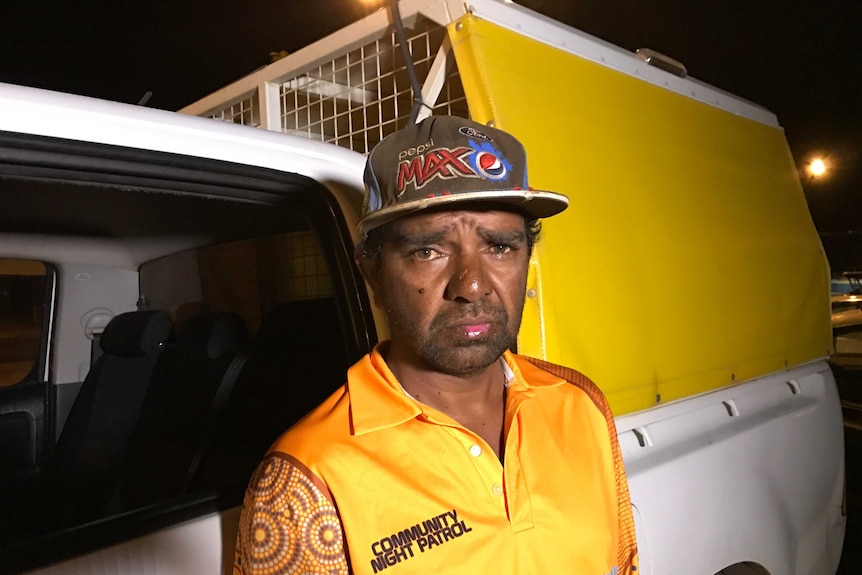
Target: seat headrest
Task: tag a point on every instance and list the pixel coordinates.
(214, 334)
(136, 333)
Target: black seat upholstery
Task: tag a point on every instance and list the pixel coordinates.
(92, 445)
(297, 359)
(185, 396)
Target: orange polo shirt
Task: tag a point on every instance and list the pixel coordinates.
(373, 481)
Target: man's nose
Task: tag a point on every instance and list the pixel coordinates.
(469, 281)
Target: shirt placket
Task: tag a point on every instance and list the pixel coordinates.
(520, 507)
(503, 484)
(483, 460)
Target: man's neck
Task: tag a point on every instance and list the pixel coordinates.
(476, 401)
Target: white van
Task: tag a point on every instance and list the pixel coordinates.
(175, 291)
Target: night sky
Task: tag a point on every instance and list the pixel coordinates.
(802, 61)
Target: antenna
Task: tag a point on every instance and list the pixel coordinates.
(408, 62)
(145, 98)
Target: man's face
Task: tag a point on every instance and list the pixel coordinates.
(452, 285)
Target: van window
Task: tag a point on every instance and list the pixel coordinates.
(279, 292)
(192, 311)
(247, 277)
(23, 285)
(256, 342)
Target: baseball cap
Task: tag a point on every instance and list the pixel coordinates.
(445, 161)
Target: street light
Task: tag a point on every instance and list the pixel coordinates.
(817, 167)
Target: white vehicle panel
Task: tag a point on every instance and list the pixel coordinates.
(741, 444)
(185, 549)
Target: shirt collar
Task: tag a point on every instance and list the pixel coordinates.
(378, 401)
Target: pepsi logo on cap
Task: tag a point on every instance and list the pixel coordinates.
(490, 166)
(488, 163)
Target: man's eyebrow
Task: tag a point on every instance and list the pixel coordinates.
(432, 237)
(420, 238)
(496, 236)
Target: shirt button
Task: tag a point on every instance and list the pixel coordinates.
(475, 450)
(497, 489)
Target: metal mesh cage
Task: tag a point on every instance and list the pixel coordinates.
(361, 96)
(245, 112)
(305, 267)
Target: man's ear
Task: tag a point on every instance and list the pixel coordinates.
(370, 268)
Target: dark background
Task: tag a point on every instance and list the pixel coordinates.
(802, 61)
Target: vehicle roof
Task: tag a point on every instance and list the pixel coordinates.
(506, 14)
(41, 112)
(59, 219)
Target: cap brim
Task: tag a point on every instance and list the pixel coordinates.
(536, 203)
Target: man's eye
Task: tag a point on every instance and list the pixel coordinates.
(425, 254)
(500, 249)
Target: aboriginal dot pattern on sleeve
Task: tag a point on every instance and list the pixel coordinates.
(288, 525)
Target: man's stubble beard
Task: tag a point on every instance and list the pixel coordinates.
(459, 358)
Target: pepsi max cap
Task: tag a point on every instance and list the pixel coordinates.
(445, 160)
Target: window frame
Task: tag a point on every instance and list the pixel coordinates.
(28, 156)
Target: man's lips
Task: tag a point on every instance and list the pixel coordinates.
(473, 323)
(476, 328)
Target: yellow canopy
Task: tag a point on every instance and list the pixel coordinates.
(687, 259)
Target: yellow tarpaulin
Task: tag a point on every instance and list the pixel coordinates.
(687, 259)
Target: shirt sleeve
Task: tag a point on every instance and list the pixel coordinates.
(289, 523)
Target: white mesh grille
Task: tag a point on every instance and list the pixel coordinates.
(245, 112)
(361, 96)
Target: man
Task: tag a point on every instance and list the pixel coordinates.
(444, 452)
